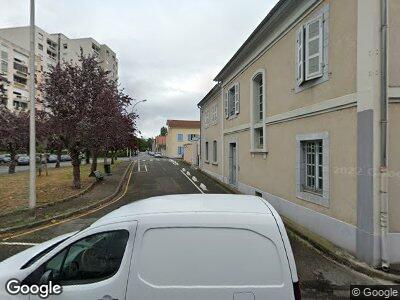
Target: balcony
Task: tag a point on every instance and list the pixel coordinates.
(20, 85)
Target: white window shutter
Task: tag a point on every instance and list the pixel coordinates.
(226, 105)
(300, 56)
(314, 48)
(237, 98)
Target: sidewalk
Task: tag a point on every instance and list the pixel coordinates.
(99, 192)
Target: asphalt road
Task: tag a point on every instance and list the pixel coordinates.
(321, 277)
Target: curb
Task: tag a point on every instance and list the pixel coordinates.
(224, 185)
(335, 253)
(324, 246)
(69, 214)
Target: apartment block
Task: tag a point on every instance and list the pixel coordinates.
(297, 117)
(14, 68)
(50, 50)
(180, 132)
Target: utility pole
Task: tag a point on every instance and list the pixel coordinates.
(32, 131)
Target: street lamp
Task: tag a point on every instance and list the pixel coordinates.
(141, 101)
(32, 131)
(133, 107)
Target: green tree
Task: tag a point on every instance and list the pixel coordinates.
(163, 131)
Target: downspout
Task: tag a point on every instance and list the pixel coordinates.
(384, 139)
(201, 135)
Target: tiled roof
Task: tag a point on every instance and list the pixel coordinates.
(183, 124)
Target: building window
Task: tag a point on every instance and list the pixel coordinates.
(214, 117)
(40, 46)
(258, 97)
(232, 101)
(257, 104)
(193, 137)
(20, 105)
(215, 151)
(4, 55)
(313, 162)
(20, 80)
(180, 137)
(4, 67)
(21, 68)
(65, 46)
(206, 151)
(40, 36)
(181, 150)
(259, 138)
(313, 168)
(51, 54)
(312, 51)
(95, 48)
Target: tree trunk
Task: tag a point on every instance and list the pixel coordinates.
(87, 156)
(76, 171)
(112, 157)
(59, 152)
(93, 167)
(11, 167)
(105, 157)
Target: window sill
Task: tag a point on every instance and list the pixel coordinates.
(313, 197)
(258, 151)
(206, 162)
(214, 163)
(232, 117)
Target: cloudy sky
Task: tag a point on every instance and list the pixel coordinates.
(169, 51)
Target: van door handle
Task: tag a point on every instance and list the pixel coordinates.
(107, 297)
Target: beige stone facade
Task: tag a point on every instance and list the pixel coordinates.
(180, 132)
(297, 120)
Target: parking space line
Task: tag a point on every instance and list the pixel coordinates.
(201, 191)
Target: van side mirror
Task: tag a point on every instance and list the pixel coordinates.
(46, 277)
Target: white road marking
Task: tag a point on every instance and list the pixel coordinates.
(203, 187)
(194, 179)
(183, 169)
(18, 244)
(188, 173)
(139, 169)
(201, 191)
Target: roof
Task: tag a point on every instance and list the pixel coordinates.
(199, 203)
(211, 93)
(264, 29)
(183, 123)
(161, 140)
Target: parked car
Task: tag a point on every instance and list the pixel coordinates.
(65, 157)
(22, 160)
(52, 158)
(151, 153)
(158, 155)
(5, 158)
(186, 247)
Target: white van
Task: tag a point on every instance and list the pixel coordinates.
(176, 247)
